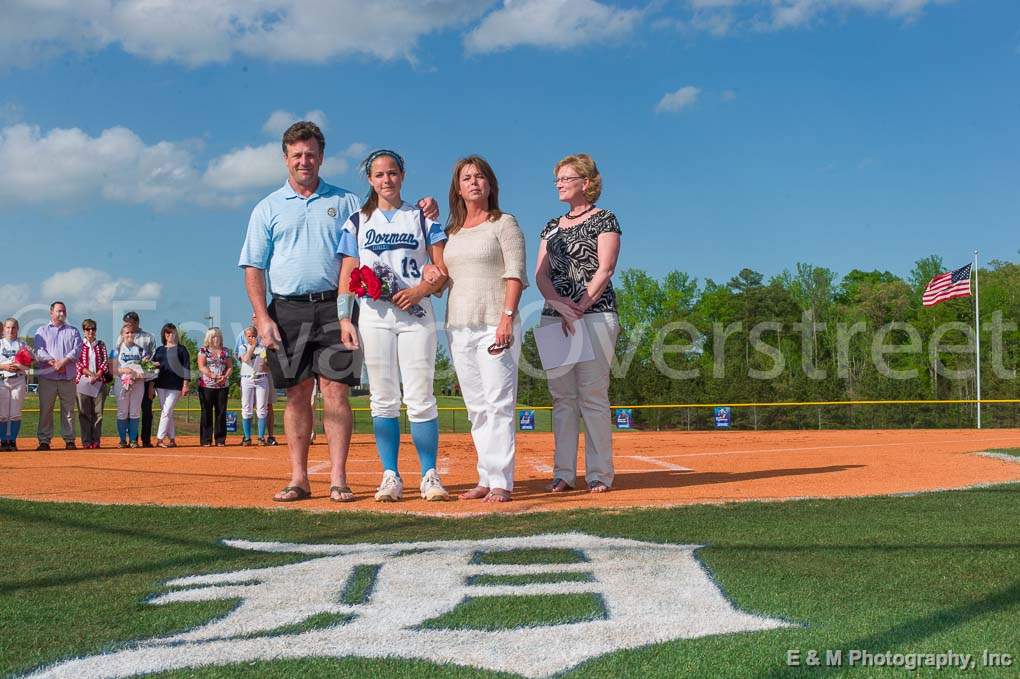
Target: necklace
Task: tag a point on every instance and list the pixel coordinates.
(579, 214)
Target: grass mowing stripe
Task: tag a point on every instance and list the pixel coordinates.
(539, 555)
(508, 612)
(529, 579)
(359, 586)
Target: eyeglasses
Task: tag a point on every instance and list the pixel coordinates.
(564, 180)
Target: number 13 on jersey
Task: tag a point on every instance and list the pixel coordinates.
(409, 268)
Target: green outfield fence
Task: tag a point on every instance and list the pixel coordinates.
(862, 414)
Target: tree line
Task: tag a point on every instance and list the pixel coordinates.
(807, 335)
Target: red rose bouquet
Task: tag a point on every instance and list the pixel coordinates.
(23, 357)
(379, 282)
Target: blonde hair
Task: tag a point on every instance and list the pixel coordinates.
(17, 326)
(458, 209)
(209, 334)
(586, 168)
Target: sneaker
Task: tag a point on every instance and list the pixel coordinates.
(172, 444)
(146, 444)
(123, 444)
(4, 446)
(391, 488)
(432, 488)
(134, 444)
(12, 446)
(272, 441)
(43, 446)
(245, 443)
(262, 442)
(70, 446)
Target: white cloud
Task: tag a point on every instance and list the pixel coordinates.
(87, 291)
(280, 120)
(556, 24)
(119, 166)
(13, 295)
(722, 17)
(196, 33)
(356, 150)
(257, 167)
(116, 165)
(673, 102)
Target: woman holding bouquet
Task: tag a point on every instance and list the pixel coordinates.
(129, 385)
(15, 359)
(393, 242)
(214, 367)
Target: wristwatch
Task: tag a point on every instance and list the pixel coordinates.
(509, 313)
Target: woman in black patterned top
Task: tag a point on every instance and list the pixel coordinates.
(576, 259)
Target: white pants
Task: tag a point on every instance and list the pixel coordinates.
(12, 397)
(399, 348)
(582, 390)
(254, 392)
(129, 401)
(168, 399)
(489, 386)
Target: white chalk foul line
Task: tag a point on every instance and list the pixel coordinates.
(848, 445)
(659, 463)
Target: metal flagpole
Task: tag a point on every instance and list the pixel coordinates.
(977, 336)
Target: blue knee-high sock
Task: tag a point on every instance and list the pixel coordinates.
(122, 430)
(387, 441)
(246, 427)
(426, 439)
(15, 428)
(262, 427)
(133, 428)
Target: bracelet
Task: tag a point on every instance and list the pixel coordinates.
(344, 305)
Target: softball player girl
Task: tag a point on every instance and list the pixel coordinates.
(254, 386)
(128, 386)
(398, 336)
(12, 386)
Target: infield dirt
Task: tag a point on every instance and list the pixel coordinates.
(652, 470)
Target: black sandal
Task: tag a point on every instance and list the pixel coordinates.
(299, 494)
(555, 487)
(341, 490)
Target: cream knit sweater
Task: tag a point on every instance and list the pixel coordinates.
(479, 260)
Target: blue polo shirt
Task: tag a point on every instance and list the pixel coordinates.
(295, 239)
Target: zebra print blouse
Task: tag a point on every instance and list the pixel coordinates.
(573, 259)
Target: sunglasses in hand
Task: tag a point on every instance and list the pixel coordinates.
(497, 349)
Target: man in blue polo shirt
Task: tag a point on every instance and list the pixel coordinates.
(292, 241)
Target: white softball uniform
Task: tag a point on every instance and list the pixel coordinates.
(399, 347)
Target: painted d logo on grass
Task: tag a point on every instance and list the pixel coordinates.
(429, 601)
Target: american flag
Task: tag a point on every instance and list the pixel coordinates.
(949, 285)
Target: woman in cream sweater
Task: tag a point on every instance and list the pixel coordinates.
(486, 260)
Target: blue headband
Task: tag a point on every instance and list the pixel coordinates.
(366, 166)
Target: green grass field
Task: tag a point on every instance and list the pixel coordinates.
(925, 573)
(188, 413)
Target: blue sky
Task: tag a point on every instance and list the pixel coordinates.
(730, 133)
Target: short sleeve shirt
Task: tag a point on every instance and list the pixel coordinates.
(574, 259)
(216, 363)
(128, 356)
(399, 242)
(295, 239)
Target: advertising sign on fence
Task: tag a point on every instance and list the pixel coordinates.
(232, 422)
(624, 418)
(527, 420)
(722, 417)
